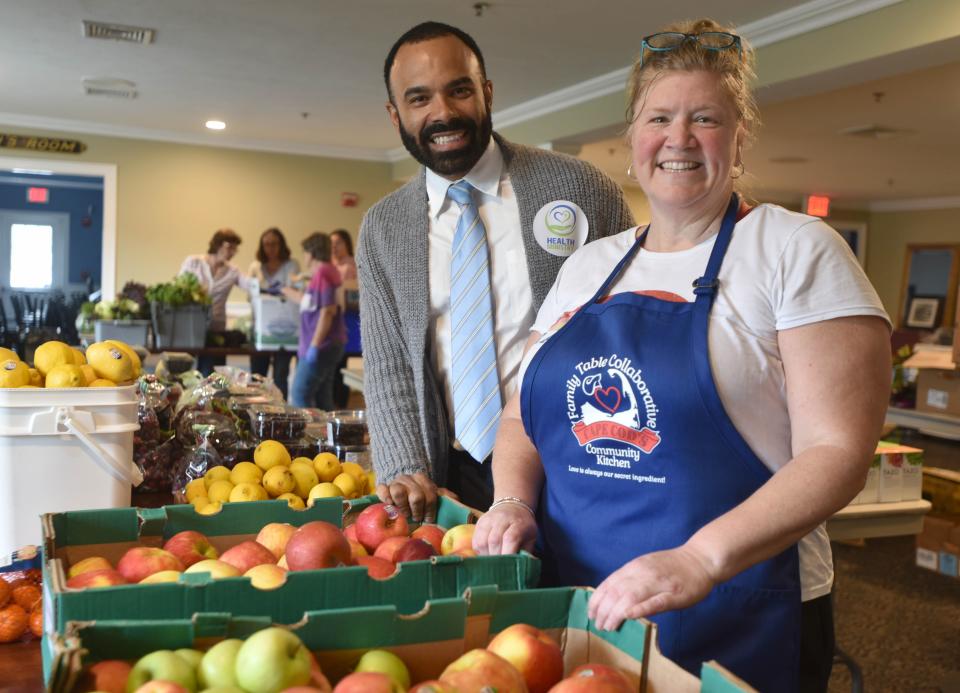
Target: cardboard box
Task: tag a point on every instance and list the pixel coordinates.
(949, 558)
(942, 488)
(871, 488)
(276, 323)
(938, 392)
(70, 537)
(937, 544)
(426, 641)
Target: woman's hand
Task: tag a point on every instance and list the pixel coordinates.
(650, 584)
(508, 528)
(414, 495)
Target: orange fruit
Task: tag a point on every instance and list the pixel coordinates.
(13, 622)
(27, 596)
(36, 622)
(5, 592)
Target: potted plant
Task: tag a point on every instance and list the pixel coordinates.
(124, 318)
(180, 310)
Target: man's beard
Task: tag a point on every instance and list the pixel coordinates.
(451, 163)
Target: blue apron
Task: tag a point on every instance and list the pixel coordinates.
(639, 454)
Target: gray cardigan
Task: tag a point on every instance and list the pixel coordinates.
(406, 411)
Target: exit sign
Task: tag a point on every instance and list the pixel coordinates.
(817, 205)
(38, 195)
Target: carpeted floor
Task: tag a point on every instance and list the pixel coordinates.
(900, 623)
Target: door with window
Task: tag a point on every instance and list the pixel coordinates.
(34, 250)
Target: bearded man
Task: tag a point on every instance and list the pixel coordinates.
(453, 267)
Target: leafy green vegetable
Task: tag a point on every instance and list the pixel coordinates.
(185, 290)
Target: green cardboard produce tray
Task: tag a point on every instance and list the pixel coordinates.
(427, 641)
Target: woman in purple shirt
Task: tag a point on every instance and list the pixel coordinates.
(322, 330)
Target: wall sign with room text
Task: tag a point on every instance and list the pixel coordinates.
(41, 144)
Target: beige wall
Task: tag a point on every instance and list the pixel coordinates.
(172, 197)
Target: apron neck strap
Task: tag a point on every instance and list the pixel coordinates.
(705, 287)
(612, 277)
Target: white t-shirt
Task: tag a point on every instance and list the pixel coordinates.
(781, 270)
(510, 282)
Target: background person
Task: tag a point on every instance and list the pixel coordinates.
(322, 332)
(440, 101)
(272, 270)
(218, 276)
(341, 251)
(702, 394)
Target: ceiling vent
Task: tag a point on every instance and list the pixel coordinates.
(875, 132)
(116, 88)
(117, 32)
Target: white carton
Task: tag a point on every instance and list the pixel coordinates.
(891, 477)
(276, 323)
(871, 490)
(901, 472)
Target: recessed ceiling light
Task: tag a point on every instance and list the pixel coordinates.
(215, 124)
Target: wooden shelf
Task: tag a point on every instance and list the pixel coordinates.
(936, 425)
(878, 520)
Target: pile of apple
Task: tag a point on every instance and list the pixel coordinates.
(273, 474)
(378, 539)
(519, 659)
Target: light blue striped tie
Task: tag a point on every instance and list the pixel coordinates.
(476, 384)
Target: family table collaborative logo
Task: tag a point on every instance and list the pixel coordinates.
(613, 416)
(560, 227)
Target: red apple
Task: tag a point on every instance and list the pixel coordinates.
(248, 554)
(365, 682)
(388, 549)
(109, 676)
(141, 561)
(96, 578)
(480, 669)
(317, 544)
(431, 533)
(88, 564)
(594, 678)
(415, 550)
(356, 549)
(190, 547)
(433, 686)
(275, 536)
(351, 533)
(534, 653)
(377, 568)
(457, 540)
(317, 678)
(378, 523)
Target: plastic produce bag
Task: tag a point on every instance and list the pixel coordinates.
(197, 460)
(155, 448)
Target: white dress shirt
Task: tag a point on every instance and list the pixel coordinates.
(512, 298)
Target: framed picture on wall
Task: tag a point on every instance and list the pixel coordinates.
(855, 234)
(924, 312)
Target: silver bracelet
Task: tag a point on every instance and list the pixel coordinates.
(515, 501)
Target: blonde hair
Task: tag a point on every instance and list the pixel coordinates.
(734, 70)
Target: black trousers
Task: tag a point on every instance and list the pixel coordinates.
(817, 644)
(469, 479)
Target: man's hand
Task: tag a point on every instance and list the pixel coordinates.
(651, 584)
(414, 495)
(508, 528)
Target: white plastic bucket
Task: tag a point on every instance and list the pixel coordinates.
(63, 449)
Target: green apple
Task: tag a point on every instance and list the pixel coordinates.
(217, 668)
(386, 663)
(272, 659)
(165, 665)
(223, 689)
(191, 657)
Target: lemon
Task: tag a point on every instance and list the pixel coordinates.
(51, 354)
(245, 472)
(200, 501)
(323, 490)
(14, 373)
(279, 480)
(89, 375)
(371, 481)
(216, 474)
(8, 355)
(194, 489)
(293, 500)
(111, 362)
(78, 358)
(327, 466)
(348, 485)
(220, 490)
(211, 508)
(270, 453)
(131, 352)
(358, 473)
(102, 382)
(35, 378)
(304, 476)
(245, 492)
(65, 376)
(297, 460)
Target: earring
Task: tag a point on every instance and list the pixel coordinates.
(743, 169)
(630, 172)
